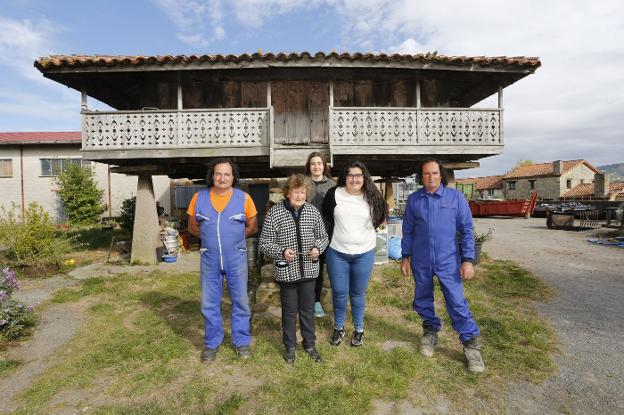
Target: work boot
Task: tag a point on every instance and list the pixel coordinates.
(318, 310)
(289, 355)
(472, 351)
(337, 336)
(244, 352)
(313, 354)
(428, 341)
(208, 355)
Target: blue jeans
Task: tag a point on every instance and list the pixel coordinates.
(349, 274)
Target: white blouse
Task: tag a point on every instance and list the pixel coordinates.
(353, 228)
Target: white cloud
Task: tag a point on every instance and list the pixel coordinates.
(199, 22)
(21, 42)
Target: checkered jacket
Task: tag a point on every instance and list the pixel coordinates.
(281, 231)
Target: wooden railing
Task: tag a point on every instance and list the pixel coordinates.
(357, 126)
(162, 129)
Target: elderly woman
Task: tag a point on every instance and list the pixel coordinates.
(293, 235)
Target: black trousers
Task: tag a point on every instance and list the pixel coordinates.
(298, 297)
(319, 280)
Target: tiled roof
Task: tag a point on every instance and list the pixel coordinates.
(484, 182)
(587, 190)
(59, 61)
(40, 137)
(544, 169)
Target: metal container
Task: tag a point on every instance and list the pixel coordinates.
(252, 252)
(171, 243)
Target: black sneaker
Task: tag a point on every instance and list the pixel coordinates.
(289, 355)
(358, 338)
(337, 336)
(208, 355)
(244, 352)
(313, 354)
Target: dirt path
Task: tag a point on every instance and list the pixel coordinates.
(587, 312)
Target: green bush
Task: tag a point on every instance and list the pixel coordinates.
(15, 317)
(126, 218)
(32, 238)
(81, 198)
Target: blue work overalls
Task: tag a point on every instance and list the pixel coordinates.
(223, 254)
(431, 224)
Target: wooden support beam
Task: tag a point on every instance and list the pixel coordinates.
(84, 103)
(179, 83)
(418, 93)
(460, 165)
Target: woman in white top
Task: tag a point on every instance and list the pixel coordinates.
(354, 208)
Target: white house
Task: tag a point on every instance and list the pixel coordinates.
(30, 161)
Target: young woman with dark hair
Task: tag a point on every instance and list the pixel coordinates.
(354, 209)
(318, 170)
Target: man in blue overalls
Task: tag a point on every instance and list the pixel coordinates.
(222, 216)
(434, 217)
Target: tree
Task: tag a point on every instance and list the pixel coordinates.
(521, 163)
(128, 206)
(80, 196)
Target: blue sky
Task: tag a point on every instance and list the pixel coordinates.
(571, 108)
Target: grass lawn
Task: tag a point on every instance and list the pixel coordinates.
(138, 353)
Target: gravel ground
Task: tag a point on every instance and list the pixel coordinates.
(587, 313)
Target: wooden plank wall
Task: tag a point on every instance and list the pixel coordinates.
(301, 110)
(378, 93)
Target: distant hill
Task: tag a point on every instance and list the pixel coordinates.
(615, 171)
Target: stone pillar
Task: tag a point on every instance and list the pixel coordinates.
(601, 185)
(450, 177)
(146, 232)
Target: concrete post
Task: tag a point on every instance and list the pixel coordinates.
(450, 177)
(146, 232)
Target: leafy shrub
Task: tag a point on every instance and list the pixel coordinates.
(15, 317)
(128, 206)
(32, 238)
(81, 197)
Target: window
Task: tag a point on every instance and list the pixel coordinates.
(52, 167)
(532, 184)
(582, 181)
(490, 192)
(6, 168)
(511, 185)
(569, 183)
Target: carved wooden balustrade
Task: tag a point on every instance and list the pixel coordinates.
(453, 127)
(162, 129)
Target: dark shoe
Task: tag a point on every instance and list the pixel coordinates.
(244, 352)
(313, 354)
(337, 336)
(472, 351)
(428, 341)
(289, 355)
(358, 338)
(208, 355)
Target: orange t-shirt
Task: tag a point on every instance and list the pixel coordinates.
(219, 202)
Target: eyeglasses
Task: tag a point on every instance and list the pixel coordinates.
(357, 176)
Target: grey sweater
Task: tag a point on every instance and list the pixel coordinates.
(318, 192)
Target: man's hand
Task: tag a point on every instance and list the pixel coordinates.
(314, 253)
(289, 255)
(467, 270)
(406, 268)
